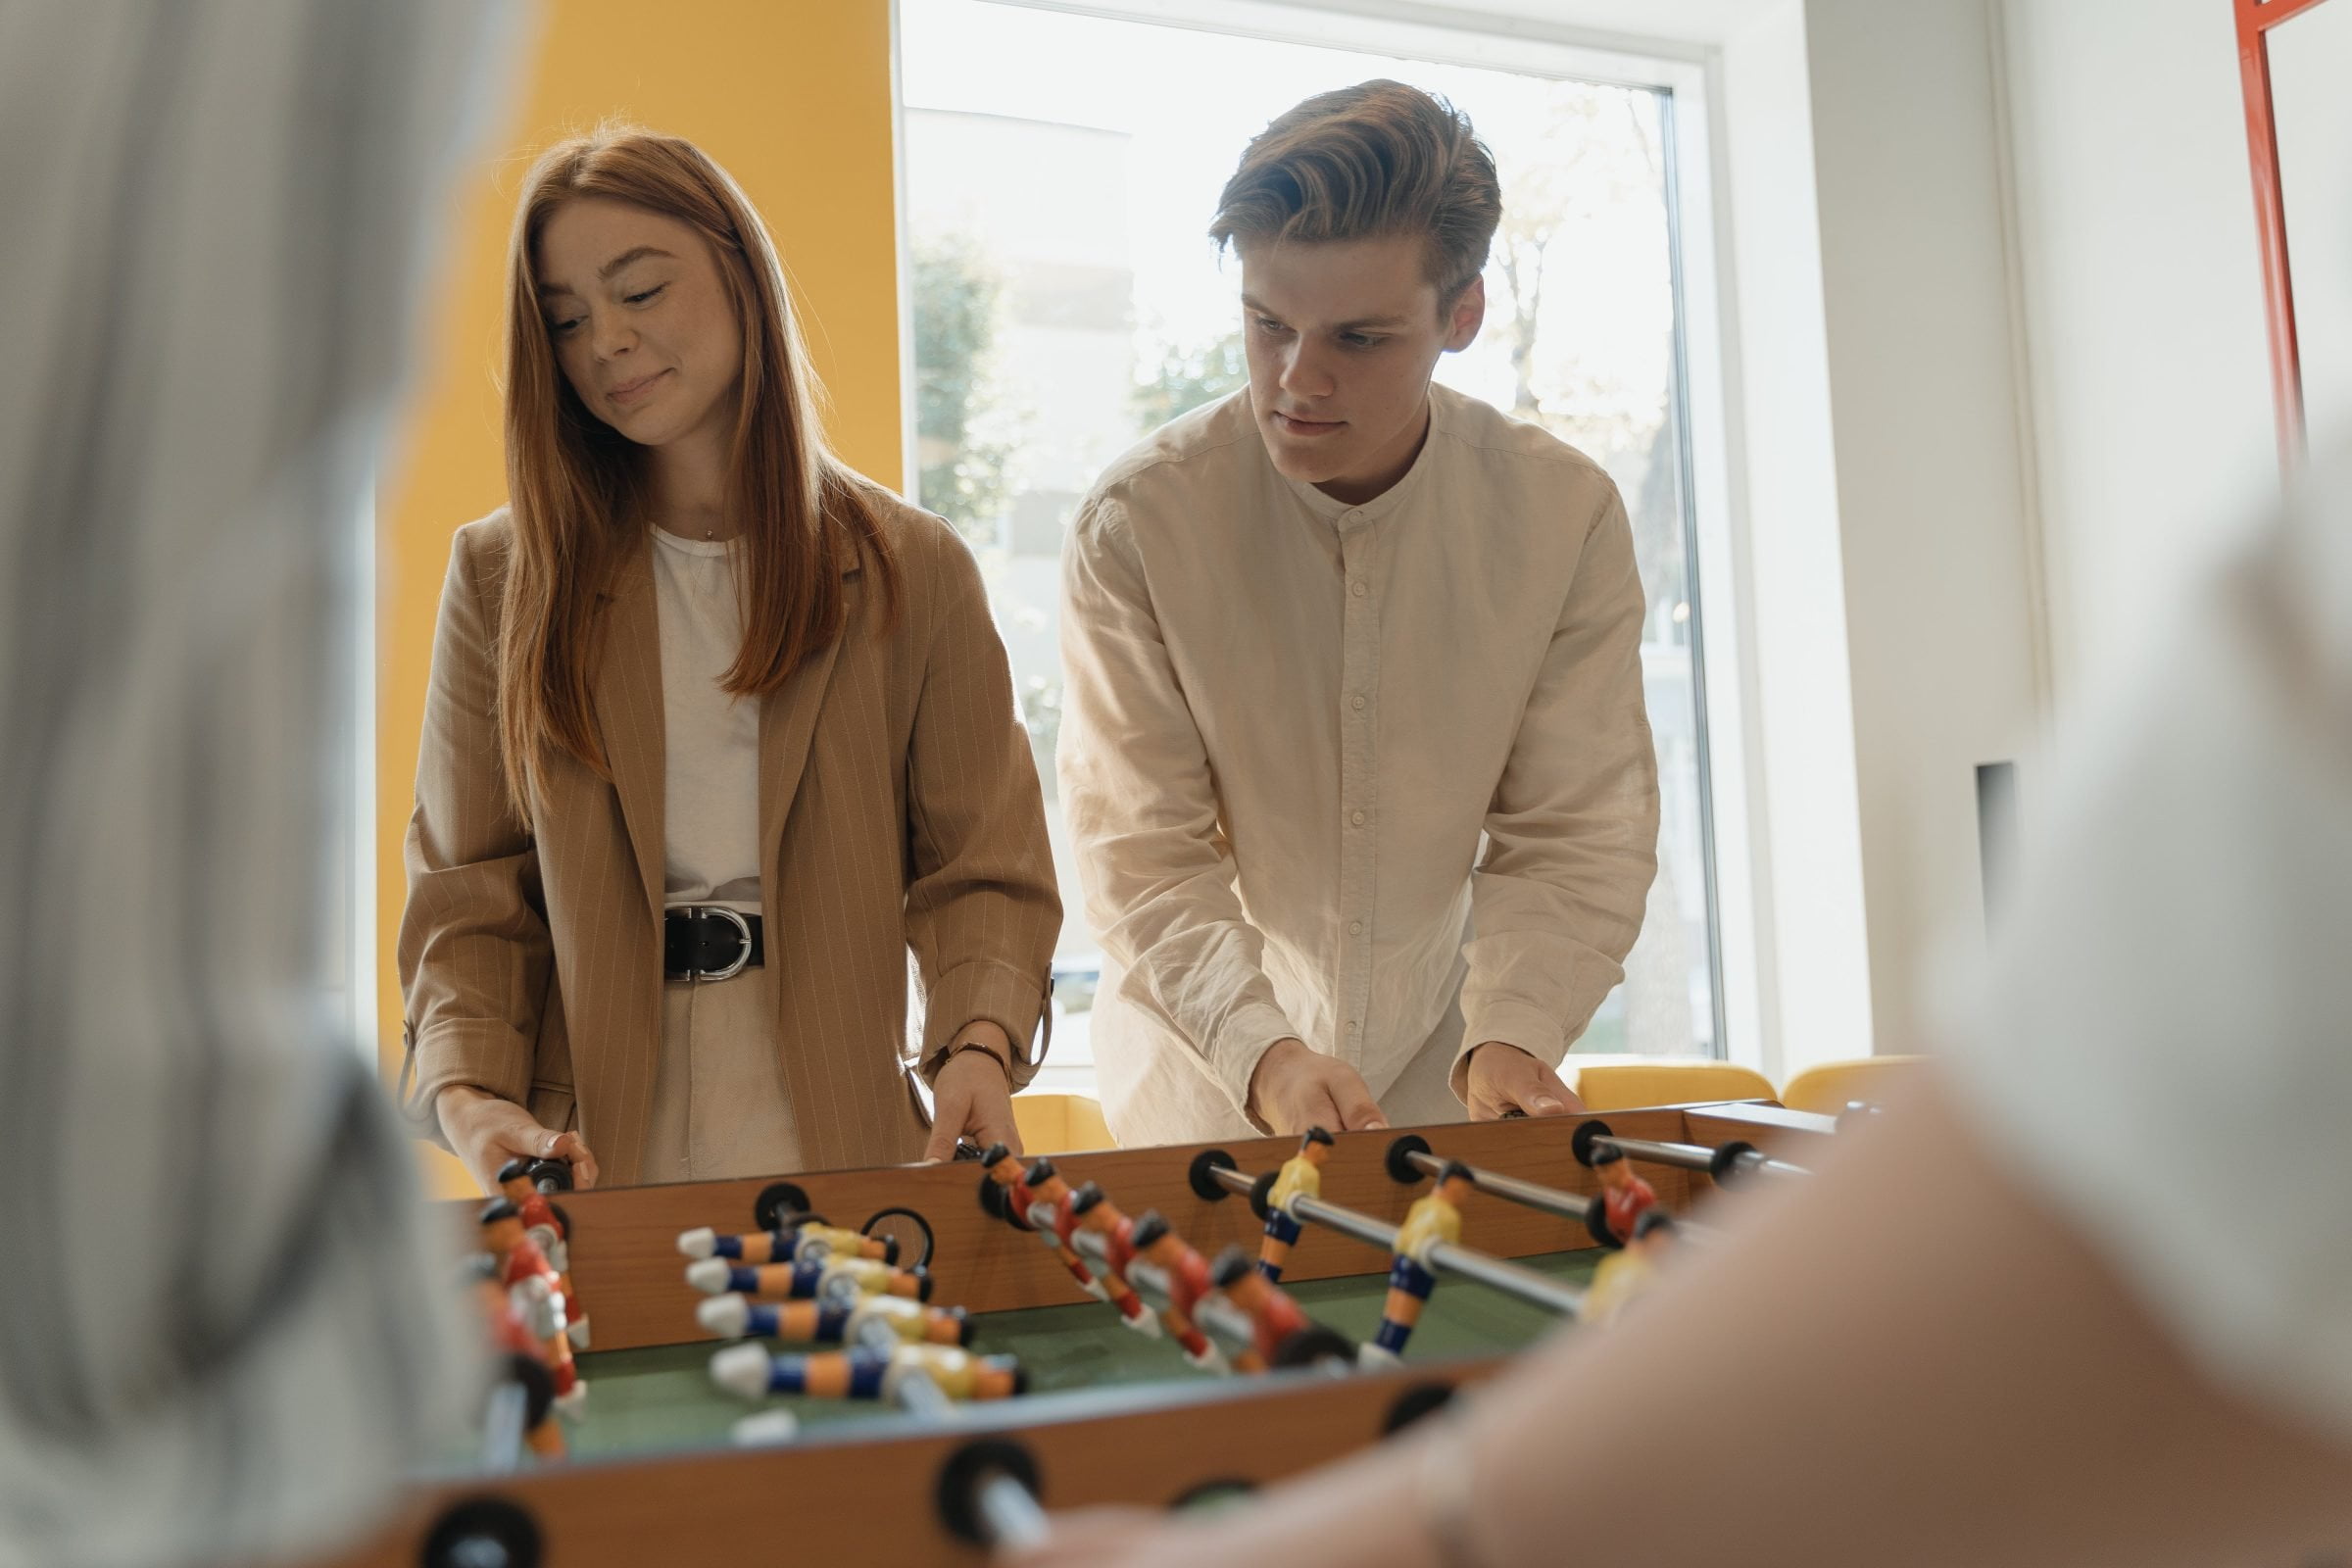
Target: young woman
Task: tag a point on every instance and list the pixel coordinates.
(717, 730)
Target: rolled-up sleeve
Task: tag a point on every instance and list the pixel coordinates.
(982, 911)
(475, 956)
(1572, 833)
(1141, 805)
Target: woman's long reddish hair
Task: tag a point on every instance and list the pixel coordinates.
(576, 487)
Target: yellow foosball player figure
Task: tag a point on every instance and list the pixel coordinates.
(806, 1237)
(1625, 1275)
(808, 1278)
(1002, 1169)
(1430, 1220)
(749, 1372)
(878, 1321)
(1301, 1176)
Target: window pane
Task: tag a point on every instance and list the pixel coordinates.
(1060, 171)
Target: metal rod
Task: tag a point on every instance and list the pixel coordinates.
(1510, 1278)
(1756, 1162)
(918, 1396)
(1011, 1512)
(1445, 1258)
(503, 1429)
(1551, 1199)
(1687, 1157)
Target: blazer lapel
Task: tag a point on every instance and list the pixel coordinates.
(787, 723)
(627, 692)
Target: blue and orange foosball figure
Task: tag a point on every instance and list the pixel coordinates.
(1301, 1176)
(1430, 1220)
(750, 1372)
(869, 1320)
(809, 1277)
(805, 1236)
(1625, 1197)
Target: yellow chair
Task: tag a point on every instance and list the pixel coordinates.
(1060, 1124)
(1832, 1086)
(1628, 1083)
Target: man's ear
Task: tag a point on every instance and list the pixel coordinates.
(1468, 314)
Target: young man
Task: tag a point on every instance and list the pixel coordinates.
(1353, 746)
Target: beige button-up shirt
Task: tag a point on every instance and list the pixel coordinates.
(1331, 769)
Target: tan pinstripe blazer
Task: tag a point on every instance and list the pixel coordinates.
(898, 808)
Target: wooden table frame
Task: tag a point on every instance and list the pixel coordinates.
(868, 1487)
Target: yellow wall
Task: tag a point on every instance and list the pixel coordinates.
(793, 97)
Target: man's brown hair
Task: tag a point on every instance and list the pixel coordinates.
(1368, 162)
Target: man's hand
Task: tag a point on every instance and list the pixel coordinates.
(487, 1132)
(1503, 1078)
(1294, 1088)
(973, 1094)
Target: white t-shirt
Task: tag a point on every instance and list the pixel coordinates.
(710, 782)
(2163, 1046)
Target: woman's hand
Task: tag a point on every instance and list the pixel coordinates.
(487, 1132)
(973, 1094)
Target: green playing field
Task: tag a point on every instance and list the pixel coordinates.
(643, 1401)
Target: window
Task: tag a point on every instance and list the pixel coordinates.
(1061, 171)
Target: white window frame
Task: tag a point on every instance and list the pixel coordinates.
(1746, 1022)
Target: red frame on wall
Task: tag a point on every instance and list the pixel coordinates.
(2255, 19)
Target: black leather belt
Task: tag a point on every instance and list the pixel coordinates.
(705, 942)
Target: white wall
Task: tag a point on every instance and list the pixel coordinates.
(1934, 501)
(2143, 304)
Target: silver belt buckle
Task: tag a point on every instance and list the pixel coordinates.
(743, 954)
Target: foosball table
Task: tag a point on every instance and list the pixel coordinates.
(741, 1379)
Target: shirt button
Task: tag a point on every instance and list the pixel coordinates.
(1355, 928)
(1357, 704)
(1353, 1026)
(1357, 819)
(1356, 588)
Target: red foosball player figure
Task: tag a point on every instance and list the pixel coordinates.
(1435, 1218)
(1625, 1275)
(826, 1277)
(871, 1320)
(808, 1236)
(1055, 1213)
(749, 1372)
(1301, 1176)
(1259, 1321)
(1178, 1276)
(523, 1361)
(1625, 1197)
(533, 1285)
(543, 1223)
(1004, 1171)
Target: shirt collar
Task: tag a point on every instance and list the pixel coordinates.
(1389, 500)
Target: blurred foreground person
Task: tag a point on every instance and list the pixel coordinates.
(222, 1336)
(2088, 1301)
